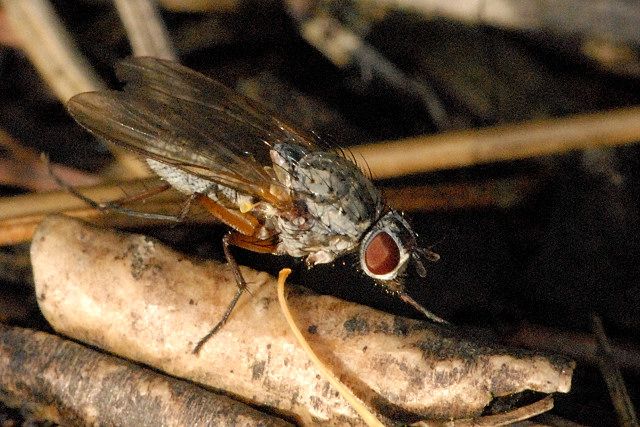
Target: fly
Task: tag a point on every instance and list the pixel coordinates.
(277, 188)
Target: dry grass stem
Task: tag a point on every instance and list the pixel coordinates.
(569, 18)
(200, 5)
(58, 60)
(20, 215)
(51, 48)
(146, 31)
(62, 201)
(501, 143)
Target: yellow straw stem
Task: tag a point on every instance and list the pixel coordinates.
(353, 400)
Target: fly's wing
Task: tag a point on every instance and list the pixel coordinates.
(177, 116)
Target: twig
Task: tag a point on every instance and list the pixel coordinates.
(146, 31)
(501, 143)
(50, 48)
(105, 390)
(201, 5)
(501, 193)
(164, 302)
(613, 377)
(580, 346)
(60, 63)
(615, 20)
(8, 36)
(24, 168)
(20, 215)
(506, 418)
(61, 201)
(20, 230)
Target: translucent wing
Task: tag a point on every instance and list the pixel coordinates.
(177, 116)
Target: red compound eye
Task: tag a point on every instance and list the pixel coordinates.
(382, 254)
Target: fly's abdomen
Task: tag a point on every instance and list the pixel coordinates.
(189, 184)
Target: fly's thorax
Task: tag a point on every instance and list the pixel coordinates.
(387, 247)
(335, 202)
(331, 188)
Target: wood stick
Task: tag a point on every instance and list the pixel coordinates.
(75, 385)
(613, 377)
(500, 143)
(146, 31)
(60, 63)
(132, 296)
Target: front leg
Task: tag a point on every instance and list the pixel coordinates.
(246, 226)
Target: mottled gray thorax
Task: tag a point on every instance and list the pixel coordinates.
(337, 203)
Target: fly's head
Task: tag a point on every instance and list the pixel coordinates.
(386, 250)
(388, 246)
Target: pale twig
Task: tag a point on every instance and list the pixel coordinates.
(24, 212)
(500, 143)
(200, 5)
(613, 377)
(146, 31)
(613, 20)
(61, 201)
(19, 230)
(8, 36)
(60, 63)
(50, 48)
(165, 301)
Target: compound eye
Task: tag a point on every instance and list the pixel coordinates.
(382, 254)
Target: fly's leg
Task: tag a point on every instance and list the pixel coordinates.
(246, 242)
(245, 226)
(242, 286)
(116, 205)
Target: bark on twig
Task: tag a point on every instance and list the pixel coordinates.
(132, 296)
(61, 381)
